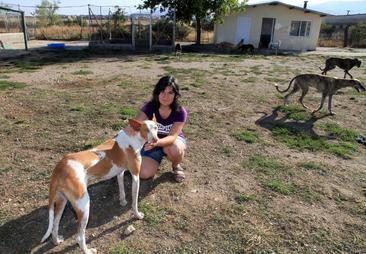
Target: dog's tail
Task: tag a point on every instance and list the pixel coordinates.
(51, 211)
(283, 91)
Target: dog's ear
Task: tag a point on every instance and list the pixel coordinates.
(154, 118)
(135, 124)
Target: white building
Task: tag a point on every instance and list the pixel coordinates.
(294, 27)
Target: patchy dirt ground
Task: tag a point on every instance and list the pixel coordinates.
(269, 193)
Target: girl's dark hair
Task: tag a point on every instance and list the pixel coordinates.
(160, 86)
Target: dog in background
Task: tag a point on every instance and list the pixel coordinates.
(178, 50)
(344, 63)
(247, 48)
(70, 177)
(327, 86)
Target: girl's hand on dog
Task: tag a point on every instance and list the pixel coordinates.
(149, 146)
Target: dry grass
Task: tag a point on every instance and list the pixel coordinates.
(74, 32)
(330, 43)
(247, 191)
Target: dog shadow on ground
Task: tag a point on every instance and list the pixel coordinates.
(274, 120)
(23, 234)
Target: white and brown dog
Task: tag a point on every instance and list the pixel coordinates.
(70, 177)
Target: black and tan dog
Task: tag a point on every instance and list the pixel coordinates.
(344, 63)
(327, 86)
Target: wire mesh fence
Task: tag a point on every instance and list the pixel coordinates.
(103, 24)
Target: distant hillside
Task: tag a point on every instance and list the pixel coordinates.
(340, 8)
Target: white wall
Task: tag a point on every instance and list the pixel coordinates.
(283, 16)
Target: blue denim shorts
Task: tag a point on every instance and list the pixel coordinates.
(157, 153)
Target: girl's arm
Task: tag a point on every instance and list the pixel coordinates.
(168, 140)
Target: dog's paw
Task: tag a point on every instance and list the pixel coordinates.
(123, 202)
(332, 113)
(58, 240)
(139, 215)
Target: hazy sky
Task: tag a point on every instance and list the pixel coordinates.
(69, 6)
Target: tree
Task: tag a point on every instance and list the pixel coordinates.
(118, 18)
(188, 10)
(46, 13)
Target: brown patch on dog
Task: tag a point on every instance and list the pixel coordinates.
(133, 162)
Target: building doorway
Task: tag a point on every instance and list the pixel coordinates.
(268, 25)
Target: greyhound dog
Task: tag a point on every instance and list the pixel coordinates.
(327, 86)
(345, 64)
(112, 158)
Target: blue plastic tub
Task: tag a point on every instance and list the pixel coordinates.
(56, 45)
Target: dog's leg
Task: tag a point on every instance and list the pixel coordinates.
(135, 194)
(294, 90)
(321, 103)
(60, 204)
(349, 74)
(303, 93)
(121, 185)
(82, 207)
(330, 104)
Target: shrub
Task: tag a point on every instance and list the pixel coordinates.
(357, 36)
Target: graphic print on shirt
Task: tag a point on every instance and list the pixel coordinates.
(164, 129)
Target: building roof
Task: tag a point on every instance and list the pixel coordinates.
(345, 19)
(306, 10)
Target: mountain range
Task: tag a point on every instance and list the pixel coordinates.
(340, 7)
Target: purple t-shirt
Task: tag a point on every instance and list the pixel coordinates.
(164, 125)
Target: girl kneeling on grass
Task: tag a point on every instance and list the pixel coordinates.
(170, 117)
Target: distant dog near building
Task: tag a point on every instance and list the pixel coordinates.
(247, 48)
(178, 49)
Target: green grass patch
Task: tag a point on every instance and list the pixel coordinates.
(248, 136)
(265, 165)
(27, 67)
(243, 198)
(9, 85)
(120, 249)
(125, 84)
(310, 165)
(294, 112)
(154, 215)
(227, 150)
(192, 75)
(92, 143)
(82, 72)
(303, 141)
(128, 112)
(5, 170)
(306, 194)
(256, 69)
(198, 82)
(341, 133)
(279, 186)
(119, 125)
